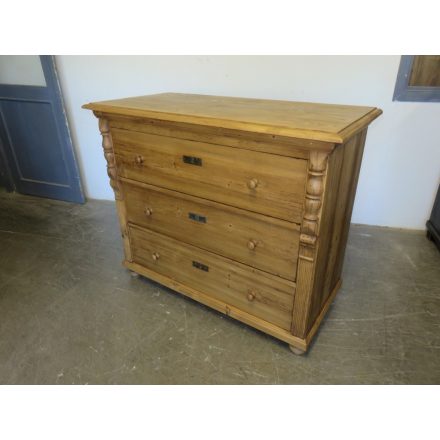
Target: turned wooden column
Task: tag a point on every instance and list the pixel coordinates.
(107, 145)
(316, 178)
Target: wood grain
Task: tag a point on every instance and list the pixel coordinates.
(243, 205)
(350, 185)
(338, 200)
(303, 120)
(107, 145)
(309, 243)
(224, 176)
(264, 295)
(425, 71)
(314, 328)
(262, 242)
(331, 199)
(266, 143)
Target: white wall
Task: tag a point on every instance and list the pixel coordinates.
(401, 167)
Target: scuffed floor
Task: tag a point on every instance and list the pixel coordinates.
(71, 314)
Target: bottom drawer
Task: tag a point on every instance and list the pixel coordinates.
(251, 290)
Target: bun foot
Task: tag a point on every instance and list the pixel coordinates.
(134, 274)
(296, 350)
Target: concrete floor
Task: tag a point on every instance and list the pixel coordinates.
(71, 314)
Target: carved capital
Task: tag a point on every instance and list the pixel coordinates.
(107, 145)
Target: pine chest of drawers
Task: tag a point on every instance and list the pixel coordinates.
(241, 204)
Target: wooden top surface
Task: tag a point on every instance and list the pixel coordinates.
(303, 120)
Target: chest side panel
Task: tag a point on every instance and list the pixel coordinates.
(321, 259)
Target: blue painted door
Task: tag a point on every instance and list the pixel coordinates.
(35, 138)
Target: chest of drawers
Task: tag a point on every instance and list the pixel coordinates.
(241, 204)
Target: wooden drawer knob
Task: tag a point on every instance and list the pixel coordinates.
(251, 295)
(252, 244)
(148, 212)
(139, 160)
(155, 256)
(253, 183)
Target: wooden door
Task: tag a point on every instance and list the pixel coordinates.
(34, 133)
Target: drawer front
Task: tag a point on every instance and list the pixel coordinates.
(255, 292)
(253, 239)
(260, 182)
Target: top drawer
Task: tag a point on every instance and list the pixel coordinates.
(265, 183)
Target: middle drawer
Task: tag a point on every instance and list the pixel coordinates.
(262, 242)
